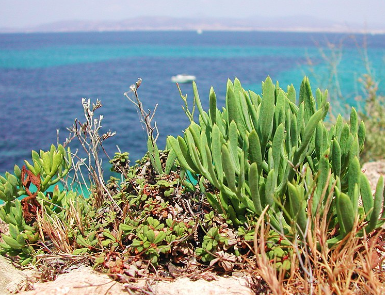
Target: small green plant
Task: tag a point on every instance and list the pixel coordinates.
(120, 163)
(52, 165)
(32, 183)
(373, 114)
(48, 169)
(212, 242)
(152, 238)
(21, 236)
(279, 251)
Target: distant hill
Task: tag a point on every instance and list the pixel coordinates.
(156, 23)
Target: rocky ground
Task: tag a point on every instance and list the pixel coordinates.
(84, 280)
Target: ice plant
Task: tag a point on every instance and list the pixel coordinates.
(275, 151)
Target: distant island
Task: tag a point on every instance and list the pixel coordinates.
(156, 23)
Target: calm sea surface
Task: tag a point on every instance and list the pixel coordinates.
(44, 76)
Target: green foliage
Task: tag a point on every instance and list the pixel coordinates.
(120, 163)
(373, 114)
(152, 238)
(52, 165)
(269, 151)
(24, 237)
(212, 243)
(47, 169)
(279, 250)
(21, 236)
(10, 185)
(155, 158)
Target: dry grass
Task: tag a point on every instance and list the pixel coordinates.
(55, 230)
(354, 266)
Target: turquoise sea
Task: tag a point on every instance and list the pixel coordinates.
(44, 76)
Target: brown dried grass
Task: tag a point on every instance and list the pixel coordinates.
(55, 230)
(353, 266)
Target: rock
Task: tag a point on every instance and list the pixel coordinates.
(12, 279)
(83, 280)
(87, 281)
(373, 171)
(184, 286)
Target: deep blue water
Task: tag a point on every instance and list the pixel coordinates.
(44, 76)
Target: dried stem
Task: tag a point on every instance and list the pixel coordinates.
(91, 142)
(146, 117)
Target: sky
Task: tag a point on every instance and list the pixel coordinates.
(27, 13)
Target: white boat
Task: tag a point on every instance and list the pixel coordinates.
(183, 78)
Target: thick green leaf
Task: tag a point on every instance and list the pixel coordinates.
(211, 169)
(154, 155)
(187, 153)
(216, 148)
(231, 103)
(228, 168)
(213, 106)
(277, 145)
(323, 173)
(366, 195)
(306, 96)
(353, 122)
(361, 135)
(233, 145)
(170, 161)
(291, 95)
(354, 178)
(267, 109)
(255, 155)
(377, 205)
(308, 133)
(311, 125)
(176, 148)
(336, 158)
(297, 209)
(161, 235)
(199, 104)
(243, 98)
(346, 214)
(254, 187)
(269, 188)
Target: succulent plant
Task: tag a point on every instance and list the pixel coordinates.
(271, 151)
(120, 163)
(152, 238)
(213, 241)
(52, 165)
(47, 169)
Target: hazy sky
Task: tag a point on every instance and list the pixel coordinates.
(24, 13)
